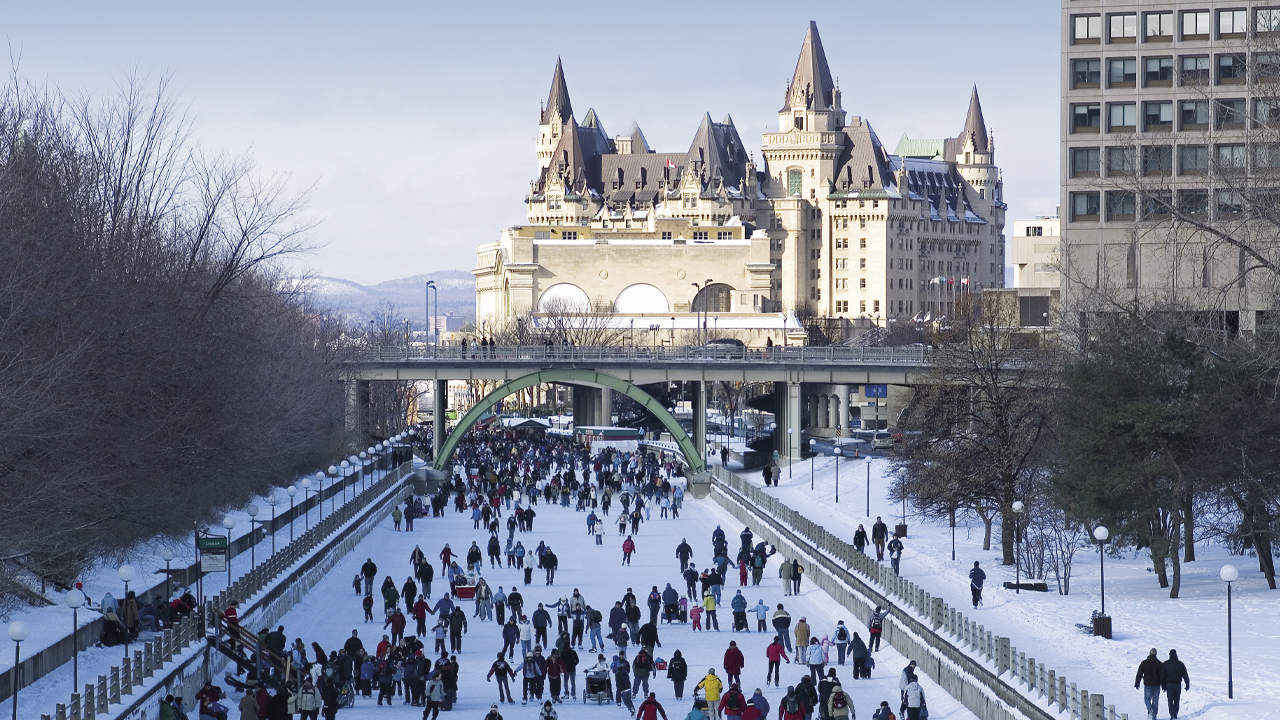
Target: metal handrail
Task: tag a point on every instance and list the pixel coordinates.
(914, 356)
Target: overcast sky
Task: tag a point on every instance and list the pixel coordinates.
(413, 123)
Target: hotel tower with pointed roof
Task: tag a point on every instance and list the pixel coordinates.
(827, 224)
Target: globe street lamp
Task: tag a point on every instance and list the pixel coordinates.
(789, 453)
(18, 632)
(126, 573)
(836, 450)
(228, 522)
(1018, 509)
(339, 476)
(320, 493)
(1101, 533)
(1229, 574)
(306, 499)
(291, 490)
(366, 472)
(74, 600)
(272, 499)
(167, 555)
(813, 450)
(252, 511)
(354, 460)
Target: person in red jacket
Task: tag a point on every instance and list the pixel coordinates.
(733, 662)
(397, 621)
(628, 547)
(742, 573)
(733, 703)
(650, 709)
(446, 556)
(420, 614)
(776, 653)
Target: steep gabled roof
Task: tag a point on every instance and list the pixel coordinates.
(638, 142)
(558, 107)
(975, 126)
(719, 148)
(593, 121)
(812, 78)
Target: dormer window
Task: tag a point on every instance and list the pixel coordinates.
(797, 121)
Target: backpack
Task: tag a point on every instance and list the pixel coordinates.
(842, 635)
(839, 700)
(792, 704)
(733, 701)
(596, 617)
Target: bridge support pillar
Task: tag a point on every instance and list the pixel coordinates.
(439, 408)
(842, 399)
(824, 410)
(788, 399)
(606, 406)
(357, 410)
(699, 393)
(586, 405)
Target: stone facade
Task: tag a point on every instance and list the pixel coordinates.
(829, 224)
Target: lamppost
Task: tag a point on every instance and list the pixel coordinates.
(320, 494)
(228, 522)
(337, 478)
(953, 534)
(345, 468)
(1101, 533)
(868, 464)
(167, 555)
(291, 490)
(837, 453)
(432, 325)
(1018, 508)
(272, 500)
(1229, 574)
(74, 600)
(306, 499)
(813, 450)
(252, 512)
(126, 574)
(363, 460)
(654, 328)
(355, 463)
(789, 453)
(17, 633)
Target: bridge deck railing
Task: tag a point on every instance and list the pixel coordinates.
(913, 355)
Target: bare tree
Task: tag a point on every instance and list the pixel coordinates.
(981, 419)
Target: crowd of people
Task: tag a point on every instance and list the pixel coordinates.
(559, 644)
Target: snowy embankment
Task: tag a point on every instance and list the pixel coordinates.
(50, 624)
(1142, 613)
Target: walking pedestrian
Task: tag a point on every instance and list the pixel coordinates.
(1174, 676)
(1150, 677)
(976, 577)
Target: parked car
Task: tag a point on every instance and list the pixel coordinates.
(883, 440)
(726, 348)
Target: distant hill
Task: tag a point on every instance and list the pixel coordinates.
(456, 289)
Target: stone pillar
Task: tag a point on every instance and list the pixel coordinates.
(699, 394)
(606, 406)
(793, 420)
(824, 410)
(842, 401)
(833, 413)
(357, 409)
(439, 406)
(586, 406)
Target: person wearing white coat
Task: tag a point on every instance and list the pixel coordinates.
(526, 636)
(914, 695)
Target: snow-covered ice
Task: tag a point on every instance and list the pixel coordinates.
(332, 610)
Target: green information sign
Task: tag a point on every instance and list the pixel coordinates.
(212, 542)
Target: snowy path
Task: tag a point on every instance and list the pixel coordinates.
(1044, 624)
(333, 610)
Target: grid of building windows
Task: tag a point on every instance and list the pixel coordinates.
(1172, 93)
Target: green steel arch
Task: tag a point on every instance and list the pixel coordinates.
(590, 378)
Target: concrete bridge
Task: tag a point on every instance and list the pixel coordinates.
(816, 379)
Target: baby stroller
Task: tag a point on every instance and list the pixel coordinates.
(599, 687)
(347, 695)
(671, 612)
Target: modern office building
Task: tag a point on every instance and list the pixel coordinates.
(1168, 112)
(826, 224)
